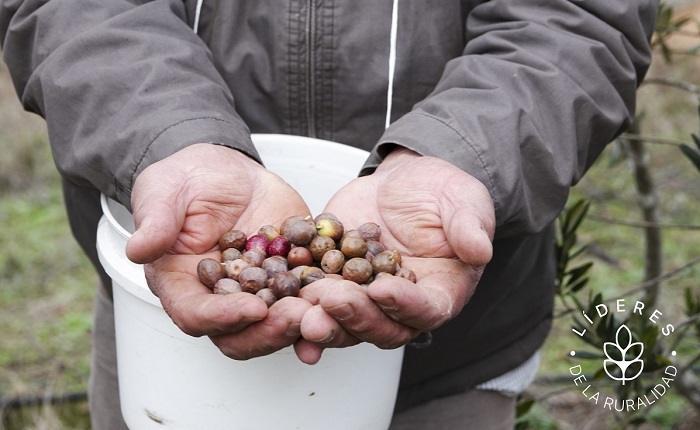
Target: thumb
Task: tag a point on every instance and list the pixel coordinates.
(158, 223)
(469, 227)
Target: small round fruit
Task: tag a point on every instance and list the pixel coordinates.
(254, 256)
(233, 239)
(353, 247)
(279, 246)
(235, 267)
(257, 241)
(329, 225)
(370, 231)
(230, 254)
(299, 256)
(274, 265)
(332, 261)
(357, 270)
(311, 274)
(285, 284)
(406, 273)
(227, 286)
(320, 245)
(374, 247)
(209, 271)
(350, 233)
(386, 261)
(299, 231)
(267, 296)
(269, 231)
(297, 271)
(253, 279)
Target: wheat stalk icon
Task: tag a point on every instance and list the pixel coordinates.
(622, 347)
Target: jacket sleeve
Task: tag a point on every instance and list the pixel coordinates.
(121, 84)
(541, 88)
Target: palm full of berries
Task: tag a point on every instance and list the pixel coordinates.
(435, 218)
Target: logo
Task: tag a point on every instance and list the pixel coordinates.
(617, 354)
(620, 359)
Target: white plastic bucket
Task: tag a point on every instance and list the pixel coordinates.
(168, 379)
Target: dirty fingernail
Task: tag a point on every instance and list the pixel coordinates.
(294, 329)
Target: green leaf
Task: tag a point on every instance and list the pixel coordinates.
(578, 285)
(579, 271)
(692, 154)
(524, 407)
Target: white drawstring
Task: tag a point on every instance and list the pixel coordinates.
(392, 51)
(197, 11)
(392, 60)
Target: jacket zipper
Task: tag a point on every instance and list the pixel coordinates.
(310, 66)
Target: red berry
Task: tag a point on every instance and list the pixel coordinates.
(257, 241)
(279, 246)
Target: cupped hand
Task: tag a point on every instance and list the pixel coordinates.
(440, 219)
(181, 205)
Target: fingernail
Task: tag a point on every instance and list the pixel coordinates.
(294, 329)
(342, 312)
(329, 337)
(389, 312)
(388, 304)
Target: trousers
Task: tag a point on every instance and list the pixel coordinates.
(473, 409)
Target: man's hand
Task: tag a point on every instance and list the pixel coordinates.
(440, 219)
(181, 207)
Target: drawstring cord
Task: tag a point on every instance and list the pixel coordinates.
(392, 52)
(392, 60)
(197, 11)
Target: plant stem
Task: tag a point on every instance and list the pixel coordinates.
(649, 203)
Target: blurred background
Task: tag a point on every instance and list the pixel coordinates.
(47, 285)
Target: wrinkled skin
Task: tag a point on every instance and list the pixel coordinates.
(181, 206)
(438, 217)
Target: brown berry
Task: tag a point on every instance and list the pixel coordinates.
(274, 265)
(300, 231)
(269, 231)
(230, 254)
(235, 267)
(350, 233)
(320, 245)
(311, 274)
(233, 239)
(353, 247)
(297, 271)
(386, 261)
(209, 271)
(370, 231)
(227, 286)
(254, 257)
(299, 256)
(267, 296)
(406, 273)
(332, 261)
(357, 270)
(285, 284)
(374, 247)
(253, 279)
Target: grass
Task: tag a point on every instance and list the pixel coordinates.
(46, 282)
(47, 285)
